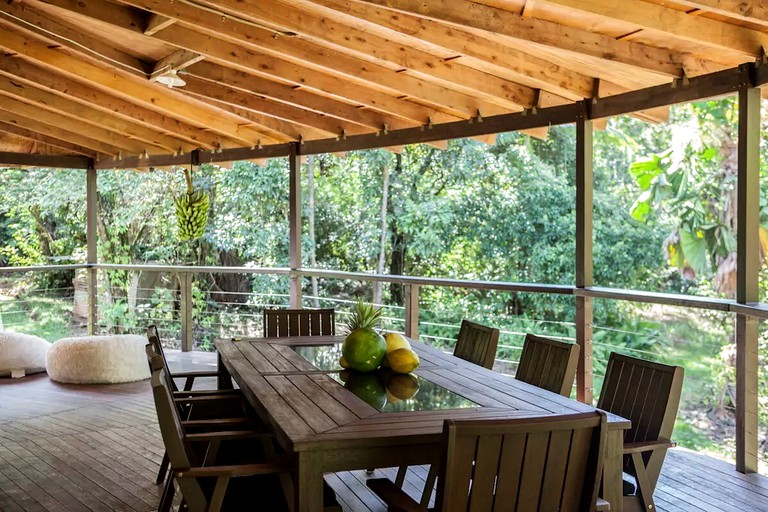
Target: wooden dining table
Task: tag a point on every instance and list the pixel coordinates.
(299, 390)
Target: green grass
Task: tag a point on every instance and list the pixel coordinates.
(47, 317)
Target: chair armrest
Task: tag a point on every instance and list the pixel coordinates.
(208, 392)
(647, 446)
(395, 498)
(181, 375)
(602, 505)
(220, 423)
(207, 398)
(226, 435)
(235, 470)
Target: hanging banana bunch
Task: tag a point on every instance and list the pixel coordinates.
(191, 211)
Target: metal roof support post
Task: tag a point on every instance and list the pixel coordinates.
(584, 319)
(748, 266)
(92, 242)
(294, 221)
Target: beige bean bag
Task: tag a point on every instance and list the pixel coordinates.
(21, 354)
(98, 359)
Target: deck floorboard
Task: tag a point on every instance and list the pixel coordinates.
(70, 448)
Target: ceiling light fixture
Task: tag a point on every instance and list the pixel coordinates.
(171, 79)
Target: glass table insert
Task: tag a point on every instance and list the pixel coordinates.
(383, 389)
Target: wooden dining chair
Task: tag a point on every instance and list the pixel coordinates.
(647, 394)
(548, 364)
(281, 323)
(477, 344)
(154, 339)
(550, 463)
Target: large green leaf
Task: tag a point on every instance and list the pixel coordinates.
(695, 251)
(644, 171)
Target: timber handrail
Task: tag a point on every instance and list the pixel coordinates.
(41, 268)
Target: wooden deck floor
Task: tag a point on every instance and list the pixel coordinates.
(97, 448)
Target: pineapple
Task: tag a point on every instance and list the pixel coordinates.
(363, 349)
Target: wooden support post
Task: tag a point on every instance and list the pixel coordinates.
(294, 221)
(92, 244)
(584, 318)
(748, 266)
(412, 311)
(185, 313)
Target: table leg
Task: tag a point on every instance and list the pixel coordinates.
(224, 380)
(612, 468)
(309, 483)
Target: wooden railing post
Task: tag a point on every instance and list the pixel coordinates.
(294, 221)
(748, 266)
(412, 311)
(92, 243)
(185, 313)
(584, 318)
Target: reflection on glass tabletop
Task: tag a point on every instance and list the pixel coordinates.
(322, 357)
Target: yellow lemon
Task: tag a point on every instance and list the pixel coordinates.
(402, 387)
(395, 341)
(403, 360)
(343, 362)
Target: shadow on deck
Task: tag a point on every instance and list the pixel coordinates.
(97, 448)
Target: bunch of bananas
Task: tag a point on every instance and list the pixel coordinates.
(191, 211)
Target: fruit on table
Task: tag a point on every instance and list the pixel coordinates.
(403, 360)
(363, 348)
(368, 387)
(191, 211)
(402, 386)
(395, 341)
(343, 362)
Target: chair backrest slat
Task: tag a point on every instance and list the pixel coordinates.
(549, 364)
(522, 464)
(477, 344)
(280, 323)
(155, 349)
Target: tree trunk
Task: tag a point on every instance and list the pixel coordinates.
(311, 220)
(383, 238)
(397, 261)
(43, 236)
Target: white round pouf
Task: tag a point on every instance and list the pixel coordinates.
(21, 354)
(98, 359)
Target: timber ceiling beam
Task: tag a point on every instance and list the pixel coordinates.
(44, 139)
(358, 54)
(239, 57)
(59, 32)
(173, 63)
(494, 56)
(131, 19)
(52, 102)
(548, 34)
(329, 126)
(299, 97)
(78, 126)
(192, 137)
(705, 31)
(63, 133)
(754, 11)
(127, 86)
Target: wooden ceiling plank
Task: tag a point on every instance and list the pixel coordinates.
(486, 49)
(329, 126)
(50, 101)
(546, 33)
(349, 44)
(131, 19)
(237, 56)
(111, 105)
(279, 129)
(298, 97)
(15, 106)
(58, 132)
(128, 86)
(44, 139)
(754, 11)
(59, 32)
(156, 23)
(174, 62)
(679, 24)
